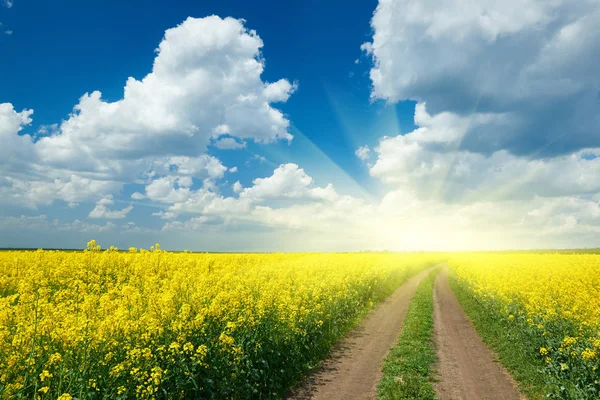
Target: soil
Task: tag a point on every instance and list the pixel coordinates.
(354, 367)
(467, 368)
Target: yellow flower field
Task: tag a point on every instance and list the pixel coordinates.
(152, 324)
(554, 299)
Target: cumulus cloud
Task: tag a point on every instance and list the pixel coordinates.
(280, 91)
(532, 61)
(168, 190)
(487, 167)
(363, 153)
(482, 214)
(16, 149)
(205, 82)
(237, 187)
(287, 181)
(39, 190)
(507, 115)
(403, 220)
(102, 209)
(203, 166)
(429, 161)
(229, 143)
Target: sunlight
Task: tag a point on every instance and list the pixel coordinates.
(305, 152)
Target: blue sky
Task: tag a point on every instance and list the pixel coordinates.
(77, 48)
(386, 125)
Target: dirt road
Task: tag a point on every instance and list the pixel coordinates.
(354, 368)
(466, 367)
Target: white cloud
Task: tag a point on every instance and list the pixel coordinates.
(460, 180)
(429, 162)
(221, 130)
(42, 223)
(237, 187)
(363, 152)
(7, 3)
(193, 224)
(205, 77)
(102, 209)
(256, 157)
(80, 226)
(167, 190)
(505, 148)
(8, 32)
(229, 143)
(24, 222)
(185, 181)
(403, 219)
(199, 167)
(532, 61)
(287, 181)
(32, 192)
(16, 149)
(165, 214)
(280, 91)
(205, 81)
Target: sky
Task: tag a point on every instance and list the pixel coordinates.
(300, 126)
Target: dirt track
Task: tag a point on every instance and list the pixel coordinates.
(466, 367)
(353, 370)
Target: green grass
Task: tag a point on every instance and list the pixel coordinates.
(407, 367)
(512, 346)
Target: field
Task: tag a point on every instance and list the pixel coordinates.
(120, 325)
(107, 324)
(551, 304)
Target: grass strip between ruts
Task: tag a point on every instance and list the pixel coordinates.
(513, 348)
(407, 369)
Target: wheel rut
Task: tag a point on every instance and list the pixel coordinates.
(466, 368)
(354, 367)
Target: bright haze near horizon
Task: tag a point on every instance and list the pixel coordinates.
(300, 126)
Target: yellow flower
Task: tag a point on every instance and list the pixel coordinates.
(138, 309)
(55, 359)
(543, 351)
(65, 396)
(45, 374)
(588, 354)
(564, 367)
(44, 389)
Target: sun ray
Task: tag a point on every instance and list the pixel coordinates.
(308, 155)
